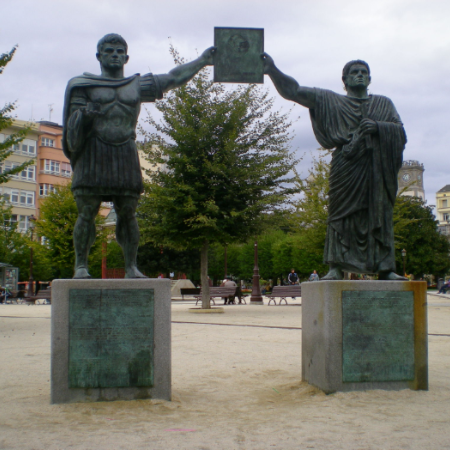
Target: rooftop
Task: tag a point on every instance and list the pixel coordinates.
(445, 188)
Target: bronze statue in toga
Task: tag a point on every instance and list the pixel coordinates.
(368, 139)
(100, 117)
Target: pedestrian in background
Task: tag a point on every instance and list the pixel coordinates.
(314, 276)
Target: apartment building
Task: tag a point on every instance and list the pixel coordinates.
(20, 191)
(53, 167)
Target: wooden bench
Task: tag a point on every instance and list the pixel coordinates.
(44, 294)
(215, 292)
(189, 291)
(282, 292)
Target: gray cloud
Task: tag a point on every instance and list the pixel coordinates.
(404, 41)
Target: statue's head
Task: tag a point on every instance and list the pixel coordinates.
(356, 73)
(112, 51)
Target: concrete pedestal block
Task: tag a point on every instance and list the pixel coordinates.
(111, 340)
(361, 335)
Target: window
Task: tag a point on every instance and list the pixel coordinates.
(45, 189)
(19, 197)
(23, 223)
(50, 166)
(27, 147)
(445, 217)
(444, 203)
(26, 198)
(14, 196)
(9, 165)
(48, 142)
(29, 173)
(66, 170)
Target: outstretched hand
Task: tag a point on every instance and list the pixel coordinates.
(269, 64)
(208, 56)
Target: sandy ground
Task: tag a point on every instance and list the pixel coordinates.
(235, 386)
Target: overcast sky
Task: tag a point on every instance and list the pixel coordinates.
(405, 42)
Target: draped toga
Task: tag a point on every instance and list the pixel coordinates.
(363, 179)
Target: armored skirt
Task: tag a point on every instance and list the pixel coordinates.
(108, 170)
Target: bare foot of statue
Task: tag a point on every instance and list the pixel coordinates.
(333, 274)
(133, 272)
(81, 272)
(391, 276)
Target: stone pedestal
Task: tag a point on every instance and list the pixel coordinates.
(110, 340)
(360, 335)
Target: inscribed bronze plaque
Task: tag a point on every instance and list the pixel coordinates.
(378, 336)
(238, 55)
(111, 338)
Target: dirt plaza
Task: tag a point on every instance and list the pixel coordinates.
(236, 384)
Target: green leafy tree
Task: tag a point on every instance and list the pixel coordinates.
(55, 224)
(415, 230)
(15, 248)
(304, 252)
(6, 120)
(225, 166)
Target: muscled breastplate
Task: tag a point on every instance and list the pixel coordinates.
(120, 107)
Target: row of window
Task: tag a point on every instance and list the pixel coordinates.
(47, 142)
(29, 173)
(56, 168)
(19, 197)
(46, 189)
(22, 221)
(28, 146)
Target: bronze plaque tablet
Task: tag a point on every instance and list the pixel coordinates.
(111, 338)
(238, 55)
(378, 336)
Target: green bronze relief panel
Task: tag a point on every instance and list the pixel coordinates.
(238, 55)
(111, 335)
(378, 336)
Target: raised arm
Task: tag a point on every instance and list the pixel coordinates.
(182, 74)
(286, 86)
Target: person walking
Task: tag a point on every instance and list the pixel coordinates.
(314, 276)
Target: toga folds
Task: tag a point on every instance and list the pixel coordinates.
(363, 179)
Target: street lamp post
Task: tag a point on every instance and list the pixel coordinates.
(404, 261)
(256, 298)
(30, 280)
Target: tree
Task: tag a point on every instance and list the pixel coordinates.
(15, 247)
(6, 147)
(415, 230)
(225, 166)
(309, 221)
(55, 224)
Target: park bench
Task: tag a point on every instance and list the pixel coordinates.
(217, 292)
(43, 294)
(189, 291)
(282, 292)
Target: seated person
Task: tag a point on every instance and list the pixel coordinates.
(444, 288)
(228, 282)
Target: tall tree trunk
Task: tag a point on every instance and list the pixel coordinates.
(204, 276)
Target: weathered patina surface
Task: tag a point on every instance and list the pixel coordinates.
(111, 338)
(238, 59)
(377, 336)
(100, 117)
(368, 139)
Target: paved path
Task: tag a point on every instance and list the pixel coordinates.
(236, 385)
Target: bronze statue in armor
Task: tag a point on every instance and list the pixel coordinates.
(100, 118)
